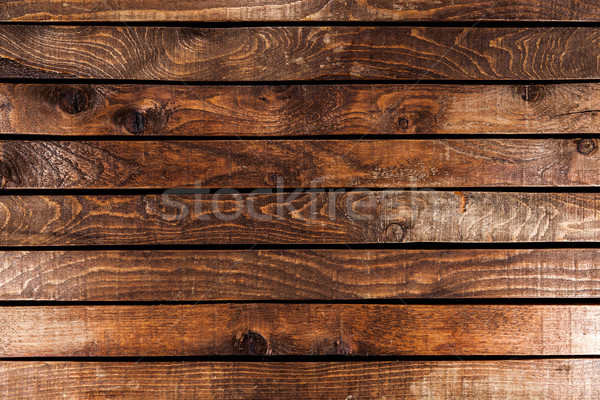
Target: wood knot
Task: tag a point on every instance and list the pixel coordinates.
(530, 93)
(73, 100)
(13, 166)
(395, 232)
(586, 146)
(403, 123)
(251, 343)
(134, 122)
(143, 121)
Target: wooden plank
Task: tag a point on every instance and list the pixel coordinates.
(301, 217)
(190, 275)
(298, 329)
(298, 53)
(293, 163)
(304, 10)
(298, 110)
(552, 379)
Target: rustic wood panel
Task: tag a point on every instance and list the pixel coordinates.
(551, 379)
(304, 10)
(309, 218)
(298, 274)
(293, 163)
(298, 110)
(298, 329)
(298, 53)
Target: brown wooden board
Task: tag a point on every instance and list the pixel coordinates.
(302, 218)
(299, 164)
(303, 10)
(263, 329)
(298, 110)
(553, 379)
(298, 53)
(317, 274)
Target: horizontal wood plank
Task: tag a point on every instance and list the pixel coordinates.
(301, 217)
(317, 274)
(299, 164)
(298, 110)
(551, 379)
(304, 10)
(298, 329)
(298, 53)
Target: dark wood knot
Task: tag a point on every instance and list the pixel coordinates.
(403, 123)
(586, 146)
(395, 232)
(134, 122)
(530, 93)
(251, 343)
(73, 100)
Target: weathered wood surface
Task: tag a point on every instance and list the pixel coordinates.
(298, 110)
(298, 53)
(190, 275)
(303, 10)
(303, 218)
(552, 379)
(299, 164)
(298, 329)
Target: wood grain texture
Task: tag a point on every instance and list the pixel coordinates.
(551, 379)
(299, 164)
(298, 110)
(304, 10)
(298, 274)
(304, 218)
(298, 53)
(298, 329)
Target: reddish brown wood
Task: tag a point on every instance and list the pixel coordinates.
(553, 379)
(298, 110)
(298, 329)
(291, 163)
(299, 218)
(344, 274)
(286, 53)
(306, 10)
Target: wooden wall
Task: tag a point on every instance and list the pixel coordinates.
(312, 199)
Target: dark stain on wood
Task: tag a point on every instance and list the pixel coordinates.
(251, 343)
